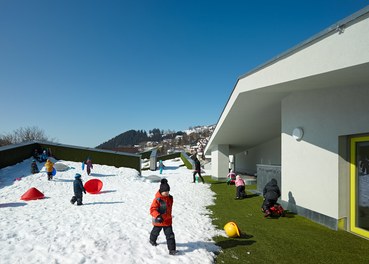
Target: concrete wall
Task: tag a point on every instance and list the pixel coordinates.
(220, 161)
(267, 153)
(10, 155)
(314, 165)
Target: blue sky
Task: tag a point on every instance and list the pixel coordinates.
(86, 71)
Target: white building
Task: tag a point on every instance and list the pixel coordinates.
(303, 118)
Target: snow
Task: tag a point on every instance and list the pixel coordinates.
(112, 226)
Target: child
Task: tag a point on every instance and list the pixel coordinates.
(36, 155)
(231, 178)
(271, 193)
(240, 188)
(78, 189)
(197, 170)
(161, 212)
(89, 166)
(49, 169)
(34, 168)
(161, 166)
(43, 156)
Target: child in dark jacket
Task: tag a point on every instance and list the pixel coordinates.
(271, 193)
(34, 168)
(197, 170)
(78, 189)
(161, 212)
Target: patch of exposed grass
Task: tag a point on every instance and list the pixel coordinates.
(290, 239)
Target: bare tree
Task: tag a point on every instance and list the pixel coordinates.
(23, 134)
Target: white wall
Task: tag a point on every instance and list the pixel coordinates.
(310, 167)
(266, 153)
(220, 161)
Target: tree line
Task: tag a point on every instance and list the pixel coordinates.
(23, 134)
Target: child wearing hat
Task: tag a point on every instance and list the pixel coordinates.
(240, 188)
(34, 168)
(78, 189)
(49, 169)
(161, 212)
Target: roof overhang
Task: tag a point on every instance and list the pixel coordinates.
(252, 114)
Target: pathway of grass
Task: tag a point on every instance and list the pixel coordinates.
(290, 239)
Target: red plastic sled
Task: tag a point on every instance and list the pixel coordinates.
(93, 186)
(32, 194)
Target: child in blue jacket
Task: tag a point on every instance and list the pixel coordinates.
(78, 189)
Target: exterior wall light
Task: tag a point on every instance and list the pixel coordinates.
(298, 133)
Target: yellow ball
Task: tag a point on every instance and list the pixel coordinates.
(232, 229)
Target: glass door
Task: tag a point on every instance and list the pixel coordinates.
(359, 185)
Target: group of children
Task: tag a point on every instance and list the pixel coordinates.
(271, 193)
(77, 183)
(161, 206)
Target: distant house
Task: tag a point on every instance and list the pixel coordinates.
(303, 118)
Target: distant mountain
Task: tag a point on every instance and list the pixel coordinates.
(156, 137)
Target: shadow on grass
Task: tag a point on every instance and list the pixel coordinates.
(252, 195)
(218, 182)
(234, 242)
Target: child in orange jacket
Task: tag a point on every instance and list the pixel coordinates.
(161, 212)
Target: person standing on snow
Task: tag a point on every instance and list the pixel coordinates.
(197, 170)
(34, 168)
(78, 189)
(161, 166)
(161, 212)
(89, 165)
(49, 169)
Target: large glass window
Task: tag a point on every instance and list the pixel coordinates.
(362, 165)
(359, 216)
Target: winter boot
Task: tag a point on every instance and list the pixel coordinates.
(73, 200)
(79, 201)
(267, 213)
(153, 243)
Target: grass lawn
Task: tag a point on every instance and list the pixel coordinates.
(290, 239)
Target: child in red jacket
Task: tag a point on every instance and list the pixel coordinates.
(161, 212)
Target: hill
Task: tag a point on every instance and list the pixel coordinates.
(164, 141)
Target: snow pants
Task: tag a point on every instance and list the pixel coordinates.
(77, 199)
(169, 235)
(267, 204)
(194, 176)
(240, 191)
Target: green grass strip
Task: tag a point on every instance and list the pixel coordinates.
(290, 239)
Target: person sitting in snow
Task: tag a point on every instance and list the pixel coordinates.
(89, 165)
(240, 188)
(271, 193)
(161, 212)
(49, 169)
(231, 178)
(78, 190)
(34, 168)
